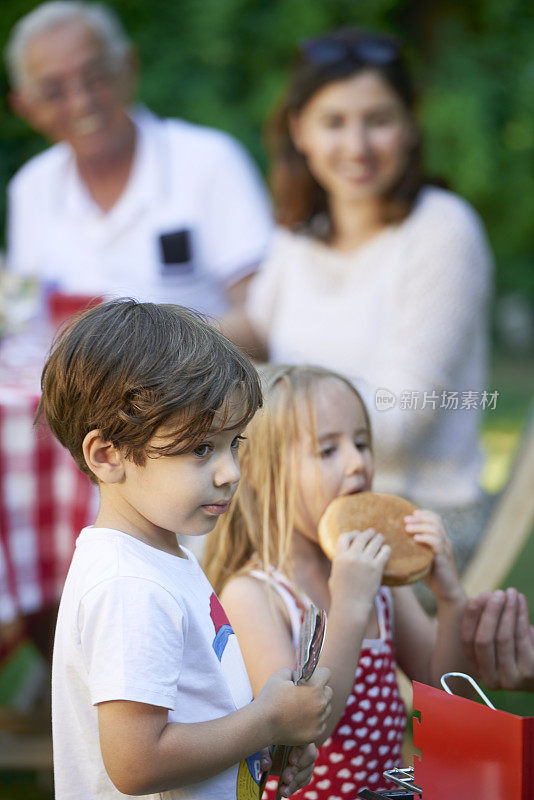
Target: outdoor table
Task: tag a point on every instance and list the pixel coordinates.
(44, 498)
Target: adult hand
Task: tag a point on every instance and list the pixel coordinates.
(499, 640)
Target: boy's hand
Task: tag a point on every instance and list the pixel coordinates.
(426, 527)
(499, 640)
(357, 567)
(298, 714)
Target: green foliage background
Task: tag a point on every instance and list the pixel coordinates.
(223, 63)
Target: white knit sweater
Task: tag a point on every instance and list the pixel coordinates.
(406, 312)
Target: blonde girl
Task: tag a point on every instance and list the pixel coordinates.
(310, 443)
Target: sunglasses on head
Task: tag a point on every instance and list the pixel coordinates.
(325, 52)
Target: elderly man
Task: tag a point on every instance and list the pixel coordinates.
(499, 640)
(125, 203)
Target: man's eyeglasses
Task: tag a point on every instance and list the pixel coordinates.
(326, 52)
(55, 92)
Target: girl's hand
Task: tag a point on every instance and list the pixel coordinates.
(299, 770)
(357, 567)
(426, 527)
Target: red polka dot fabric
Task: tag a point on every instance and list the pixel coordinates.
(368, 738)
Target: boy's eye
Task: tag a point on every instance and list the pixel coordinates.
(236, 441)
(203, 449)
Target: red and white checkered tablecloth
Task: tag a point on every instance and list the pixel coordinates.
(44, 501)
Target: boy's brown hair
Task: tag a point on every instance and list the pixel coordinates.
(126, 368)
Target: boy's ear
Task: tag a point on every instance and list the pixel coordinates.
(103, 458)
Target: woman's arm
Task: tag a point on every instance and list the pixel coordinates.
(249, 321)
(237, 327)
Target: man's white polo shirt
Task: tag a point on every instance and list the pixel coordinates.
(193, 219)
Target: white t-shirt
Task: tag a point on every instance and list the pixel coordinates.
(406, 313)
(194, 186)
(136, 623)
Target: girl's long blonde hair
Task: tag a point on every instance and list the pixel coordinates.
(259, 523)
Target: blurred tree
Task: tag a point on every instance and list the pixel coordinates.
(224, 62)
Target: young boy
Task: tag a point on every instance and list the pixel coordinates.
(149, 690)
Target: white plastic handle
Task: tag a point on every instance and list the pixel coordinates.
(473, 683)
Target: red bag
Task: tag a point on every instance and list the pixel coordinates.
(470, 751)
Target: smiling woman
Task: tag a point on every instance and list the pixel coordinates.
(355, 135)
(375, 273)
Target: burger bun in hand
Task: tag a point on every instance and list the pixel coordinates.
(409, 560)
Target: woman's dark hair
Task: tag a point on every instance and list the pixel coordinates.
(297, 196)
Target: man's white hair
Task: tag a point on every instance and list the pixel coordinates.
(96, 17)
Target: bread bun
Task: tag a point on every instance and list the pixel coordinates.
(409, 560)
